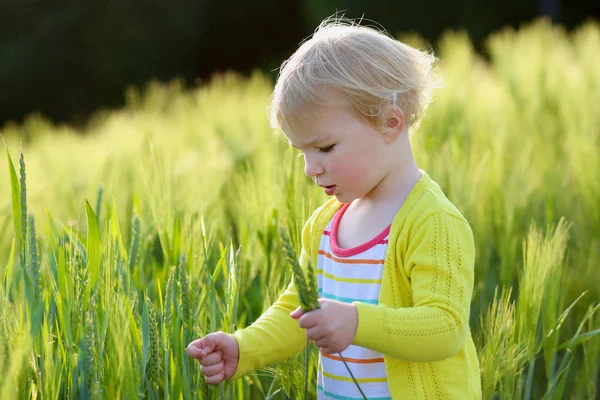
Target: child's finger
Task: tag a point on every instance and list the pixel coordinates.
(195, 352)
(212, 370)
(211, 359)
(315, 333)
(201, 347)
(198, 343)
(213, 380)
(297, 313)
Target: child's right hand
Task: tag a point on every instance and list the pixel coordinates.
(218, 353)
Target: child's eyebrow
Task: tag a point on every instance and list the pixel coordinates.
(310, 142)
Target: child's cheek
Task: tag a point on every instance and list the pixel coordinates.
(351, 170)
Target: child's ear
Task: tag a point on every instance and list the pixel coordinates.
(394, 122)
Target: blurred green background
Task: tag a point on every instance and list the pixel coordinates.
(119, 228)
(65, 59)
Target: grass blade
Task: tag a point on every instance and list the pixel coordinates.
(16, 199)
(93, 247)
(8, 271)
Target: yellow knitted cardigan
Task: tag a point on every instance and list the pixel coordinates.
(421, 323)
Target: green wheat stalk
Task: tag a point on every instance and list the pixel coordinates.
(99, 202)
(135, 244)
(169, 294)
(154, 351)
(35, 262)
(167, 318)
(308, 293)
(184, 288)
(90, 348)
(23, 201)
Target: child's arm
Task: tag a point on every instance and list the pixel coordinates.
(274, 337)
(439, 263)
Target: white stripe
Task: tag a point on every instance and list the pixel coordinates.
(356, 271)
(348, 389)
(344, 288)
(354, 351)
(335, 367)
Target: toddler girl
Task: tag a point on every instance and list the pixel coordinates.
(394, 257)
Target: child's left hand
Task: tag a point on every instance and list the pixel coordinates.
(332, 327)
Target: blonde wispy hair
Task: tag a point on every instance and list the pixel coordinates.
(368, 67)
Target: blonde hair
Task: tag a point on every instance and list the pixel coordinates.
(371, 69)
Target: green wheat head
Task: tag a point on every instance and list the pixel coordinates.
(153, 367)
(308, 291)
(135, 243)
(169, 294)
(35, 260)
(184, 288)
(91, 360)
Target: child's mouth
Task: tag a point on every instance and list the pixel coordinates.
(330, 190)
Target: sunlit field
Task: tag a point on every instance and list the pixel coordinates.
(160, 222)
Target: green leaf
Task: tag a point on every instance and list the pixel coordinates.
(215, 274)
(55, 236)
(64, 319)
(116, 229)
(16, 198)
(8, 271)
(579, 340)
(93, 246)
(145, 336)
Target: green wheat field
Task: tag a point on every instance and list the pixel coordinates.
(159, 222)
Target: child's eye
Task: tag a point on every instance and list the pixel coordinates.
(326, 149)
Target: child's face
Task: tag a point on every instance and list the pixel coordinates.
(342, 152)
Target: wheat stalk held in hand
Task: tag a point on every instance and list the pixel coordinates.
(307, 301)
(308, 294)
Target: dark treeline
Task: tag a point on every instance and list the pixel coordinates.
(66, 58)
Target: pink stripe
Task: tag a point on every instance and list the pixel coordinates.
(352, 261)
(340, 252)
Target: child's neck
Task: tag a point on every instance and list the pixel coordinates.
(368, 216)
(394, 188)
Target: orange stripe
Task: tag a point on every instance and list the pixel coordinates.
(353, 360)
(356, 261)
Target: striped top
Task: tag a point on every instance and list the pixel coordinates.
(350, 275)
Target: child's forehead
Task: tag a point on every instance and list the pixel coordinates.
(316, 121)
(323, 114)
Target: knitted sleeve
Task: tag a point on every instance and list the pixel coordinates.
(274, 336)
(439, 263)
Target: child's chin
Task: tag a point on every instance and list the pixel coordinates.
(343, 198)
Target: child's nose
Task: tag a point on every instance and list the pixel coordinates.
(312, 168)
